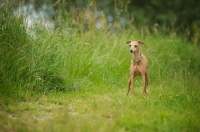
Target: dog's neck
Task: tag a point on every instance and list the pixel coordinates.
(137, 57)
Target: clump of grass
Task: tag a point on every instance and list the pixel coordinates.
(14, 57)
(27, 63)
(48, 63)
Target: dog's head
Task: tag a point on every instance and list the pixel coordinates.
(134, 45)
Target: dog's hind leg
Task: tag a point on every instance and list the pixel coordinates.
(146, 78)
(144, 83)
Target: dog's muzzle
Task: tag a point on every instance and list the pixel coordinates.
(131, 51)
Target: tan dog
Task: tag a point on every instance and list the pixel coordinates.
(139, 65)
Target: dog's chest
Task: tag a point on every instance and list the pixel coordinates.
(137, 71)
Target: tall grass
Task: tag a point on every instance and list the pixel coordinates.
(27, 63)
(14, 57)
(59, 61)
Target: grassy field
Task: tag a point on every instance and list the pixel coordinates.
(77, 81)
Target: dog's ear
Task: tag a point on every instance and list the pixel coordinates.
(140, 42)
(128, 42)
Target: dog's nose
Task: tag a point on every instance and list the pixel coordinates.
(131, 50)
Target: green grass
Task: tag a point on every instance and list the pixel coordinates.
(78, 81)
(164, 109)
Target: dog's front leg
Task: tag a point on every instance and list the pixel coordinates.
(130, 84)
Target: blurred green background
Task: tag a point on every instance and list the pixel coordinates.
(181, 16)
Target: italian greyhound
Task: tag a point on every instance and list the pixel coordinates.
(139, 64)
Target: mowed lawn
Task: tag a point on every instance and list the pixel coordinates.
(163, 109)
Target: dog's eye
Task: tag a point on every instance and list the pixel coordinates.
(130, 45)
(135, 46)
